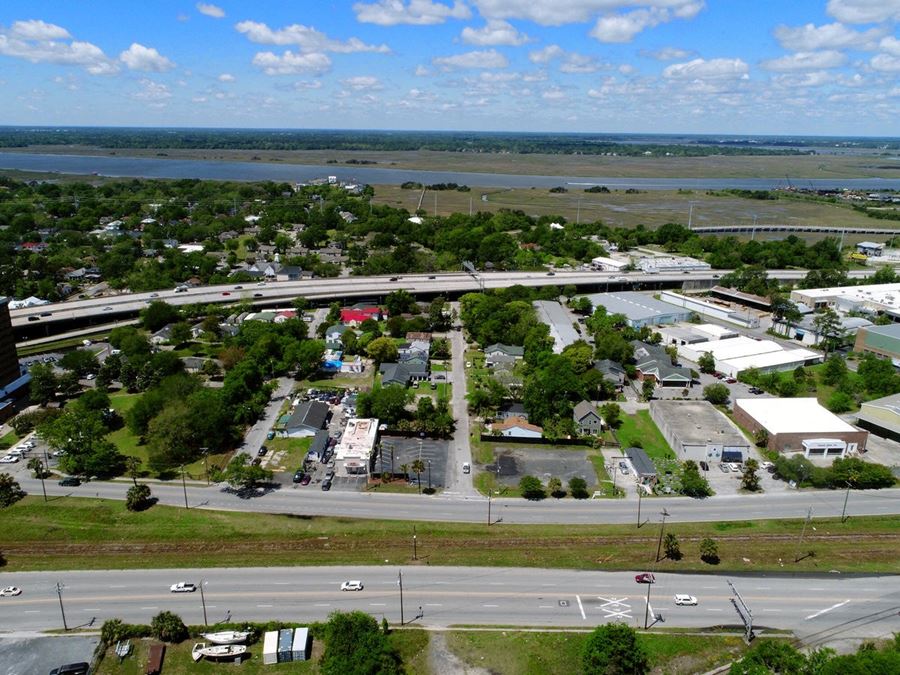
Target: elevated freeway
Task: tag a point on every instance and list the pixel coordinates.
(800, 229)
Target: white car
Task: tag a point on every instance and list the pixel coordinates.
(685, 600)
(734, 466)
(352, 586)
(10, 591)
(182, 587)
(8, 459)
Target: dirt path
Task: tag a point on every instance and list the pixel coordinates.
(441, 661)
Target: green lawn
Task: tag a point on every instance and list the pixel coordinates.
(86, 533)
(640, 431)
(293, 451)
(511, 653)
(9, 440)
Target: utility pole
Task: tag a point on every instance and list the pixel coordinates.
(400, 583)
(578, 213)
(662, 527)
(415, 552)
(59, 588)
(429, 475)
(640, 497)
(647, 608)
(42, 468)
(184, 487)
(843, 511)
(203, 601)
(205, 452)
(802, 533)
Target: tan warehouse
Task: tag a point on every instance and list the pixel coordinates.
(800, 425)
(696, 430)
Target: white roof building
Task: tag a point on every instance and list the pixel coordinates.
(357, 444)
(741, 353)
(871, 298)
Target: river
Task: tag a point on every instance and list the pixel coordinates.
(139, 167)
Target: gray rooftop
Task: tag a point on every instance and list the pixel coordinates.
(635, 306)
(560, 323)
(641, 462)
(693, 422)
(891, 330)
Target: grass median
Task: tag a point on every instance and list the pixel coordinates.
(80, 533)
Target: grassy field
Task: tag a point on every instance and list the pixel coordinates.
(801, 166)
(512, 653)
(639, 430)
(80, 533)
(292, 452)
(58, 345)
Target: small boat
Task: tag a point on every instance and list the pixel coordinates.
(227, 637)
(201, 650)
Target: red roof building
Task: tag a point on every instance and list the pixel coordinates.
(356, 315)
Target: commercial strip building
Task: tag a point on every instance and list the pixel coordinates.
(800, 425)
(723, 312)
(869, 299)
(688, 333)
(879, 340)
(639, 309)
(560, 323)
(670, 265)
(881, 417)
(357, 445)
(696, 430)
(741, 353)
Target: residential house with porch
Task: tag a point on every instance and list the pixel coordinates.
(654, 363)
(587, 419)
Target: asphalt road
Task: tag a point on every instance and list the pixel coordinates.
(308, 500)
(129, 303)
(816, 608)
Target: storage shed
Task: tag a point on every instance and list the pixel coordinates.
(285, 645)
(270, 647)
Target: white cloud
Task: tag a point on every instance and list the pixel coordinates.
(362, 82)
(578, 63)
(307, 84)
(561, 12)
(35, 29)
(546, 54)
(226, 77)
(816, 78)
(488, 58)
(666, 54)
(890, 45)
(152, 91)
(40, 42)
(213, 11)
(494, 33)
(422, 71)
(414, 12)
(554, 94)
(714, 69)
(306, 38)
(806, 61)
(864, 11)
(623, 27)
(139, 57)
(292, 63)
(809, 37)
(886, 63)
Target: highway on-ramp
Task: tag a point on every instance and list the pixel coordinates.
(816, 608)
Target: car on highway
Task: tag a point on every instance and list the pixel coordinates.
(154, 295)
(306, 479)
(238, 288)
(70, 481)
(298, 476)
(551, 274)
(467, 468)
(395, 279)
(432, 277)
(225, 293)
(257, 295)
(107, 309)
(681, 599)
(34, 318)
(46, 313)
(645, 578)
(354, 585)
(182, 587)
(10, 591)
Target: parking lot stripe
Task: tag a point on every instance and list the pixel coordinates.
(581, 607)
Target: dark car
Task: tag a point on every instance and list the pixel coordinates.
(70, 481)
(756, 391)
(298, 476)
(551, 274)
(326, 485)
(432, 277)
(395, 278)
(270, 435)
(34, 318)
(262, 451)
(305, 480)
(80, 668)
(257, 295)
(704, 466)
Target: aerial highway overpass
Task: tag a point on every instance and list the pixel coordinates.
(817, 609)
(800, 229)
(53, 318)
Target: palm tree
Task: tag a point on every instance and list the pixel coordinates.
(36, 465)
(418, 466)
(405, 469)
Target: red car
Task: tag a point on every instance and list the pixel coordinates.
(305, 480)
(645, 578)
(226, 293)
(730, 380)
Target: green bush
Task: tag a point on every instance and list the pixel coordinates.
(532, 488)
(614, 649)
(578, 487)
(168, 627)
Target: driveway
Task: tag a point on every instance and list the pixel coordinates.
(256, 435)
(460, 451)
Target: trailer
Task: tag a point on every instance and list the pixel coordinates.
(285, 644)
(301, 647)
(270, 647)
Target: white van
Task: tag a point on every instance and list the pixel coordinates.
(466, 467)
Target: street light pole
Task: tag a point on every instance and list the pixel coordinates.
(640, 497)
(62, 611)
(843, 511)
(647, 608)
(203, 601)
(429, 475)
(184, 487)
(662, 527)
(205, 452)
(415, 552)
(42, 468)
(400, 583)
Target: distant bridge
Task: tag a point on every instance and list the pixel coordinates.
(822, 229)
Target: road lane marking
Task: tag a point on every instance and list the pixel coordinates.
(545, 606)
(264, 605)
(771, 610)
(149, 607)
(496, 583)
(322, 604)
(32, 611)
(433, 604)
(89, 609)
(817, 588)
(763, 588)
(709, 587)
(581, 607)
(548, 585)
(281, 583)
(490, 605)
(711, 609)
(377, 604)
(121, 586)
(827, 609)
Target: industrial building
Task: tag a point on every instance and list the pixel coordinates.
(720, 310)
(869, 299)
(609, 264)
(639, 309)
(742, 353)
(14, 378)
(696, 430)
(879, 340)
(559, 322)
(669, 265)
(800, 425)
(881, 417)
(687, 334)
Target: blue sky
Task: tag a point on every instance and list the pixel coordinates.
(682, 66)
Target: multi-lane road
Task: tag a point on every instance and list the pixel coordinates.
(817, 609)
(464, 507)
(347, 287)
